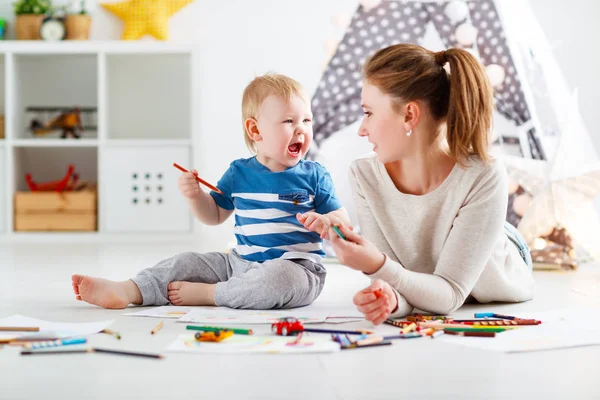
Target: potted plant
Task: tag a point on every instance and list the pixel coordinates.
(78, 24)
(30, 14)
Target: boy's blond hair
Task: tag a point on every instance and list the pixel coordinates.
(262, 87)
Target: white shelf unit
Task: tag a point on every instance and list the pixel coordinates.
(144, 93)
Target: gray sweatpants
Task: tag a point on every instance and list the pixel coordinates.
(278, 283)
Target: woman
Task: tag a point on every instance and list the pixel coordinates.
(431, 202)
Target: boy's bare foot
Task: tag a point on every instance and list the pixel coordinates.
(105, 293)
(191, 294)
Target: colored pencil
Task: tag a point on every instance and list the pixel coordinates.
(355, 346)
(237, 331)
(504, 316)
(443, 326)
(418, 317)
(411, 335)
(198, 179)
(369, 340)
(54, 343)
(56, 351)
(436, 334)
(482, 329)
(503, 322)
(474, 334)
(157, 328)
(494, 315)
(339, 233)
(111, 332)
(336, 331)
(127, 353)
(19, 329)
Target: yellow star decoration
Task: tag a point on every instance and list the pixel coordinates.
(146, 17)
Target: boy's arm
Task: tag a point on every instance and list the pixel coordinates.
(207, 211)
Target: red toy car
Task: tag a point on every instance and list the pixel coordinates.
(287, 326)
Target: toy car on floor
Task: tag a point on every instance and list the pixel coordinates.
(287, 326)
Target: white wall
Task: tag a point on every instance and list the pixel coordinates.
(241, 38)
(572, 29)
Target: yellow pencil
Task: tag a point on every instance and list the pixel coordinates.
(157, 328)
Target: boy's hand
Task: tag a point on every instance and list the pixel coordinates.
(188, 185)
(315, 222)
(376, 301)
(356, 252)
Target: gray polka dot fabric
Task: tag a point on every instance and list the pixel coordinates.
(336, 103)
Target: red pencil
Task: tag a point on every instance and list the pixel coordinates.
(202, 181)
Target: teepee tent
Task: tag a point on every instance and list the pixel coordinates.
(530, 92)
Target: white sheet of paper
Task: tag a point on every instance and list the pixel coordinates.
(559, 329)
(255, 344)
(224, 315)
(170, 312)
(49, 329)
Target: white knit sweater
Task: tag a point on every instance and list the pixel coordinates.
(444, 245)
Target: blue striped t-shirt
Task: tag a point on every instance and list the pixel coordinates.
(266, 204)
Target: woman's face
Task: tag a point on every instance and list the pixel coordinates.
(384, 128)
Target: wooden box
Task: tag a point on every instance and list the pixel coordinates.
(52, 211)
(1, 126)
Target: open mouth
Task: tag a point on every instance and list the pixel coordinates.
(294, 149)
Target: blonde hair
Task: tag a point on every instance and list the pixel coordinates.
(462, 98)
(262, 87)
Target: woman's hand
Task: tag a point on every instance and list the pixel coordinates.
(318, 223)
(188, 185)
(356, 252)
(376, 302)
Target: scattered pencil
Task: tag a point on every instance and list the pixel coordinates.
(356, 346)
(127, 353)
(470, 333)
(19, 329)
(56, 351)
(90, 350)
(157, 328)
(202, 181)
(111, 332)
(359, 332)
(237, 331)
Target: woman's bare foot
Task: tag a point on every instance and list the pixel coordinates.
(105, 293)
(191, 294)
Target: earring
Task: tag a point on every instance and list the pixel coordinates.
(409, 133)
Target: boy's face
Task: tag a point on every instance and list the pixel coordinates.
(284, 132)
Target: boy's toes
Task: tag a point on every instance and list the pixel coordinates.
(76, 279)
(175, 285)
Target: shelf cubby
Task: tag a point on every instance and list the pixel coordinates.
(48, 84)
(149, 96)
